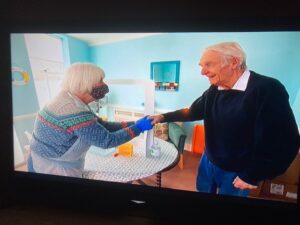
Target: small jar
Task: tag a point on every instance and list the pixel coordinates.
(155, 150)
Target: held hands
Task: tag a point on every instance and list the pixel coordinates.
(156, 119)
(144, 124)
(238, 183)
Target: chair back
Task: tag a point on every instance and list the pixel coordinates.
(177, 136)
(198, 139)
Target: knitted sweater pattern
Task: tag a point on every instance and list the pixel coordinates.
(66, 123)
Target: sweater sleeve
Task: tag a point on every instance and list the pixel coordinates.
(194, 112)
(95, 133)
(114, 126)
(276, 137)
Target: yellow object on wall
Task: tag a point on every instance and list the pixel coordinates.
(125, 149)
(24, 75)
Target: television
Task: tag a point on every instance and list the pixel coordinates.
(36, 55)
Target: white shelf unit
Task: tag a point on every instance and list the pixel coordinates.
(123, 114)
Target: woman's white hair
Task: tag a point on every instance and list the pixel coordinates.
(80, 78)
(230, 49)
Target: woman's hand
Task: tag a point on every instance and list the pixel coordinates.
(144, 124)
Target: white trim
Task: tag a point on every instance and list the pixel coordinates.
(126, 107)
(24, 117)
(158, 111)
(138, 108)
(94, 39)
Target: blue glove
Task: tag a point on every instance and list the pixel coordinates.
(144, 124)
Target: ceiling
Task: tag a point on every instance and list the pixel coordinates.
(105, 38)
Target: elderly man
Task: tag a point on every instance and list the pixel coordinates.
(250, 130)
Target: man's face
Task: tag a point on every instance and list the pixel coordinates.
(212, 66)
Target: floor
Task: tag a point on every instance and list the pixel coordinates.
(186, 176)
(176, 178)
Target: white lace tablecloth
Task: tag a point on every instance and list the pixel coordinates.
(101, 164)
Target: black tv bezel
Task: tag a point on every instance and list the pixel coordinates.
(37, 188)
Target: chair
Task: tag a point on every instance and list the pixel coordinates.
(198, 139)
(177, 136)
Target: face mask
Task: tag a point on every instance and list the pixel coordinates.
(100, 91)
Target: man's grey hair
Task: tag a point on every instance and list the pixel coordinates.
(228, 50)
(80, 78)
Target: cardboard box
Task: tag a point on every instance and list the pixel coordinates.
(255, 193)
(274, 190)
(283, 187)
(292, 174)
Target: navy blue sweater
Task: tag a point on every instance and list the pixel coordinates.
(251, 132)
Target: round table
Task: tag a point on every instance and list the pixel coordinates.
(101, 164)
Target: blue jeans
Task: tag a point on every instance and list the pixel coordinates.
(213, 179)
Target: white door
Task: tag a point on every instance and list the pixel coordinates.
(46, 61)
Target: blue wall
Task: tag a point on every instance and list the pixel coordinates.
(275, 54)
(24, 96)
(78, 51)
(296, 108)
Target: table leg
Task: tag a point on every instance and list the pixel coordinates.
(141, 182)
(158, 179)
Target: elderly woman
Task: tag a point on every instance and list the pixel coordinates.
(66, 127)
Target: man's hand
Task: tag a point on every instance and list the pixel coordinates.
(156, 119)
(238, 183)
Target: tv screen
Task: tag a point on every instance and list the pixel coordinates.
(54, 147)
